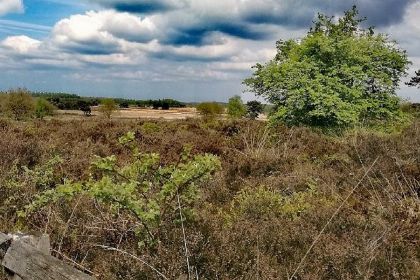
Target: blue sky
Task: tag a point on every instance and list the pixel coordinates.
(192, 50)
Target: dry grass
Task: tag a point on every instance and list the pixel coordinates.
(135, 113)
(256, 219)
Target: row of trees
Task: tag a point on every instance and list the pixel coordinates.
(236, 109)
(64, 101)
(19, 105)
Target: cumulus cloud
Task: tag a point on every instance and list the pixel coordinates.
(21, 44)
(283, 12)
(111, 38)
(193, 22)
(179, 40)
(10, 6)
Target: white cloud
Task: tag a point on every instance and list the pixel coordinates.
(21, 44)
(10, 6)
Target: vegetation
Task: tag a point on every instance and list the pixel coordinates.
(43, 108)
(144, 188)
(19, 104)
(415, 81)
(254, 109)
(256, 218)
(85, 108)
(108, 107)
(64, 101)
(210, 110)
(236, 108)
(216, 198)
(338, 75)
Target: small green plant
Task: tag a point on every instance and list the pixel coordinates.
(150, 127)
(264, 202)
(143, 187)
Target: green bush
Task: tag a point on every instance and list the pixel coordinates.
(108, 107)
(254, 109)
(236, 108)
(210, 110)
(19, 104)
(338, 75)
(150, 127)
(43, 108)
(143, 187)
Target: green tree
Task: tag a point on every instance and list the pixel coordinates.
(43, 108)
(236, 108)
(85, 108)
(338, 75)
(415, 81)
(108, 107)
(19, 104)
(124, 105)
(254, 109)
(210, 110)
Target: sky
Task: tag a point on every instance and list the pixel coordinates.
(190, 50)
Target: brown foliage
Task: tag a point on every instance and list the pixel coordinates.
(255, 220)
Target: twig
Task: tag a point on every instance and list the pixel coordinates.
(68, 224)
(75, 263)
(330, 220)
(132, 256)
(183, 235)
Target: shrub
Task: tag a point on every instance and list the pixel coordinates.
(210, 110)
(85, 108)
(150, 127)
(143, 187)
(236, 108)
(256, 204)
(43, 108)
(254, 109)
(19, 104)
(124, 105)
(108, 107)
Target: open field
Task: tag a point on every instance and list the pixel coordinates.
(354, 197)
(134, 113)
(137, 113)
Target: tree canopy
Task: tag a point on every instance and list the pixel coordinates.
(254, 109)
(210, 110)
(415, 81)
(236, 108)
(107, 108)
(19, 104)
(338, 75)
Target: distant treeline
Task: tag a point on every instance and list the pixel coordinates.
(65, 101)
